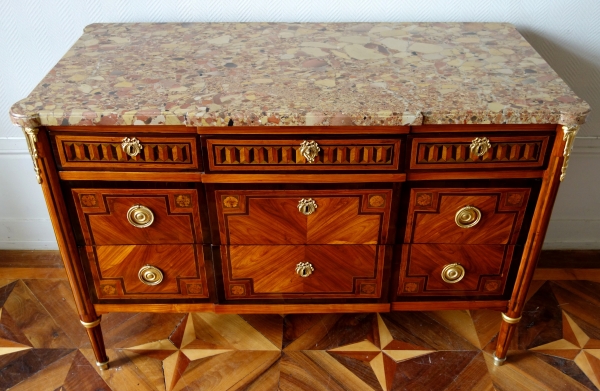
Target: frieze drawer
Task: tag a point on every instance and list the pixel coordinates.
(126, 153)
(303, 154)
(479, 152)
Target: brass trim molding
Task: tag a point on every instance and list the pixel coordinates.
(510, 320)
(90, 325)
(31, 138)
(498, 361)
(103, 365)
(569, 136)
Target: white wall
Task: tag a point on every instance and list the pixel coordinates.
(34, 34)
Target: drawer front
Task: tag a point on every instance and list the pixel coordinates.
(117, 271)
(466, 216)
(117, 153)
(484, 269)
(346, 271)
(277, 155)
(501, 152)
(116, 216)
(273, 217)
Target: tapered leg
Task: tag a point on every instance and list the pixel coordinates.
(507, 330)
(555, 173)
(47, 177)
(95, 334)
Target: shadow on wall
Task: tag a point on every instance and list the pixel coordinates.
(581, 74)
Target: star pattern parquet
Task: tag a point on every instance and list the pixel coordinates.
(556, 347)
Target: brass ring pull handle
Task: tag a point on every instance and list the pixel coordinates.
(150, 275)
(131, 146)
(139, 216)
(453, 273)
(307, 206)
(304, 269)
(480, 145)
(310, 150)
(467, 217)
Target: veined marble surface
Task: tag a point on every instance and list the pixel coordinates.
(218, 74)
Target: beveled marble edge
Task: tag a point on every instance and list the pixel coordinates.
(194, 119)
(362, 74)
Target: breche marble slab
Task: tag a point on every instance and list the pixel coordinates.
(278, 74)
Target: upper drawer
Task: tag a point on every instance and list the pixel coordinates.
(479, 152)
(276, 217)
(114, 216)
(466, 216)
(302, 155)
(130, 153)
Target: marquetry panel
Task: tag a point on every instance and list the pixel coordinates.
(270, 271)
(103, 216)
(486, 269)
(239, 155)
(455, 152)
(272, 217)
(432, 213)
(115, 271)
(172, 153)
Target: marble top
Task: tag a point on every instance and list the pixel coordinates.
(219, 74)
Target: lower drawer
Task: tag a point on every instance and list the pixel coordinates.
(303, 271)
(148, 272)
(454, 270)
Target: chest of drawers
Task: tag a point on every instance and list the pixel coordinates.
(300, 168)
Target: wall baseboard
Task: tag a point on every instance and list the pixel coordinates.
(571, 259)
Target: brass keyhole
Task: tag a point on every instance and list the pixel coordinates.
(304, 269)
(307, 206)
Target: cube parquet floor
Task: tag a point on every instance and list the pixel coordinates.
(43, 346)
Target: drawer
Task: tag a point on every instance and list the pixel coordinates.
(345, 271)
(479, 152)
(466, 216)
(126, 153)
(122, 216)
(153, 272)
(436, 270)
(282, 217)
(303, 155)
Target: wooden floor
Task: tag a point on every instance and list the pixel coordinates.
(44, 347)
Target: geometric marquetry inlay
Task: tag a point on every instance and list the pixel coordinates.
(112, 152)
(276, 155)
(79, 151)
(504, 152)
